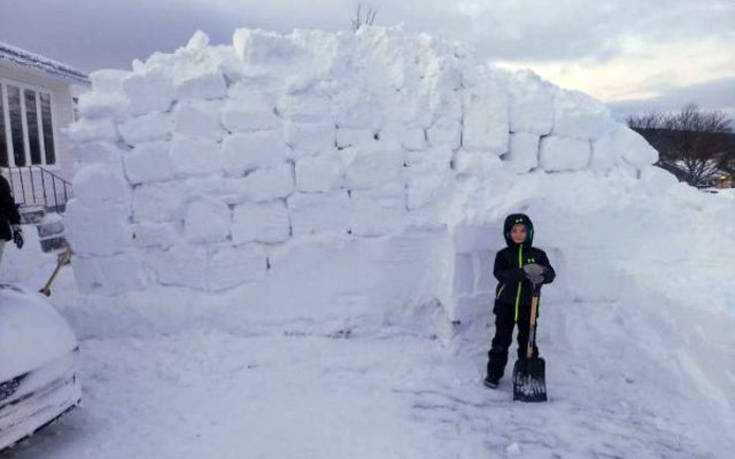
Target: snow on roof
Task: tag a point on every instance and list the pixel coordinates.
(40, 63)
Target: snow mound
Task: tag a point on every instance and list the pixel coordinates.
(364, 177)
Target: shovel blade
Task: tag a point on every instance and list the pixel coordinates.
(529, 380)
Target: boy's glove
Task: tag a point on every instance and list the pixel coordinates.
(18, 236)
(535, 272)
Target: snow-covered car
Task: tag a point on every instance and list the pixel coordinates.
(38, 364)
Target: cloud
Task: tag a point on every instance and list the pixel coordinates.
(717, 94)
(600, 48)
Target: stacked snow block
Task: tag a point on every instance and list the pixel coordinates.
(201, 168)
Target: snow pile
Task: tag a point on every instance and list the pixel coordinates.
(332, 177)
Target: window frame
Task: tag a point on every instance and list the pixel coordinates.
(4, 82)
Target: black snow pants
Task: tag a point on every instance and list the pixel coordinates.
(504, 325)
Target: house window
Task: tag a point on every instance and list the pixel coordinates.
(26, 126)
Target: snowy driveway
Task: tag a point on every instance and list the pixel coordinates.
(291, 395)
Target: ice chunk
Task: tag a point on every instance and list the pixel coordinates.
(144, 128)
(148, 162)
(195, 156)
(318, 212)
(524, 151)
(265, 222)
(207, 220)
(563, 154)
(252, 150)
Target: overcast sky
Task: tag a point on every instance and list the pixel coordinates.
(636, 55)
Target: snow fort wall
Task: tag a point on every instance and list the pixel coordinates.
(331, 174)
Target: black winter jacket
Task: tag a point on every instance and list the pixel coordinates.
(513, 293)
(8, 211)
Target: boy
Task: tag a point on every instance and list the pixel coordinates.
(517, 267)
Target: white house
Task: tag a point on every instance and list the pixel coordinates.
(36, 102)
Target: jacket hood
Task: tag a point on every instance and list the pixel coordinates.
(513, 219)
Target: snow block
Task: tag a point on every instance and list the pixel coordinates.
(113, 275)
(86, 130)
(98, 186)
(580, 116)
(261, 48)
(193, 156)
(306, 107)
(247, 151)
(464, 275)
(228, 267)
(445, 133)
(151, 91)
(96, 230)
(266, 184)
(144, 128)
(413, 139)
(148, 234)
(159, 202)
(485, 125)
(198, 119)
(250, 110)
(313, 213)
(368, 169)
(531, 103)
(321, 173)
(310, 138)
(563, 154)
(378, 211)
(265, 222)
(89, 153)
(656, 179)
(207, 220)
(524, 151)
(108, 80)
(97, 105)
(209, 85)
(182, 265)
(148, 162)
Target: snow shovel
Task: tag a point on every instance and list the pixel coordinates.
(62, 259)
(529, 374)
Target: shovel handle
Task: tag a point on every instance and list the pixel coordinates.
(532, 328)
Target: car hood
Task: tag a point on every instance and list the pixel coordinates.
(32, 333)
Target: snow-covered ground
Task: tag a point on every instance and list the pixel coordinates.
(292, 390)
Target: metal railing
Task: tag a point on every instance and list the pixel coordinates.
(35, 185)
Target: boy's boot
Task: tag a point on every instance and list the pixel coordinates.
(497, 359)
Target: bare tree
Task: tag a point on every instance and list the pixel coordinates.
(694, 145)
(360, 19)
